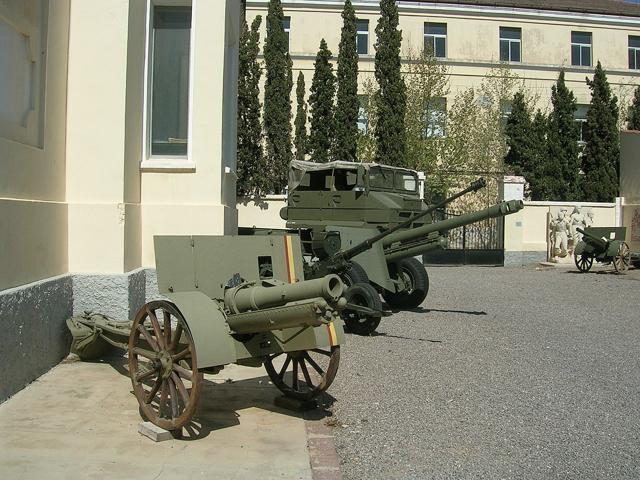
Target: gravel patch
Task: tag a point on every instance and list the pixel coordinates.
(503, 373)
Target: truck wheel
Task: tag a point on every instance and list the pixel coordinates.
(364, 295)
(415, 275)
(354, 274)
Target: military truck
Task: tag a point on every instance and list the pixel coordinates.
(367, 222)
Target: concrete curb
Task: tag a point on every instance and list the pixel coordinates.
(324, 460)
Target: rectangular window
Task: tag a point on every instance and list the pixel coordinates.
(510, 44)
(435, 39)
(436, 117)
(580, 118)
(581, 49)
(362, 27)
(286, 25)
(634, 52)
(363, 117)
(170, 41)
(505, 111)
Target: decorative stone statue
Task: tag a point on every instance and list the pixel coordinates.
(560, 228)
(578, 220)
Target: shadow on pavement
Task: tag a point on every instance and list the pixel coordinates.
(221, 400)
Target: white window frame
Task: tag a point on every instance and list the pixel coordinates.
(440, 130)
(636, 53)
(434, 36)
(511, 41)
(362, 32)
(581, 45)
(581, 121)
(363, 115)
(166, 162)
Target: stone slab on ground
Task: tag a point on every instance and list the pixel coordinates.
(154, 432)
(80, 420)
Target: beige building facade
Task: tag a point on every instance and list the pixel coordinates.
(117, 122)
(471, 39)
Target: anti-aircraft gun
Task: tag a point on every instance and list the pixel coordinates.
(252, 308)
(366, 223)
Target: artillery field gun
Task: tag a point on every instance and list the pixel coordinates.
(252, 308)
(604, 244)
(366, 223)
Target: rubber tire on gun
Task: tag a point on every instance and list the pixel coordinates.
(365, 295)
(415, 273)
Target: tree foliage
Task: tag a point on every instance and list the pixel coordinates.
(527, 155)
(251, 170)
(301, 137)
(346, 115)
(391, 100)
(600, 162)
(277, 98)
(562, 141)
(427, 86)
(321, 137)
(633, 113)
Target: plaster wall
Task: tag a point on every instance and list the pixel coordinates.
(261, 212)
(525, 232)
(630, 186)
(33, 218)
(472, 42)
(198, 196)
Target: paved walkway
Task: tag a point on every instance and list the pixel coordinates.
(80, 420)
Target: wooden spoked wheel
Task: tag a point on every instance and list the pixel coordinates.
(623, 258)
(163, 365)
(583, 262)
(312, 372)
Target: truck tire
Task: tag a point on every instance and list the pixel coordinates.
(365, 295)
(354, 274)
(415, 273)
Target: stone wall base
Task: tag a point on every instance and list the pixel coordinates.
(32, 318)
(515, 259)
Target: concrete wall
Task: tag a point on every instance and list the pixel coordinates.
(473, 42)
(33, 215)
(630, 186)
(261, 212)
(525, 237)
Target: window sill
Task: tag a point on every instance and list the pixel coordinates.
(178, 165)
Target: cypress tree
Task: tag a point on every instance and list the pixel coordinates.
(321, 138)
(600, 162)
(251, 168)
(300, 140)
(347, 104)
(277, 98)
(391, 101)
(633, 114)
(519, 141)
(542, 169)
(563, 143)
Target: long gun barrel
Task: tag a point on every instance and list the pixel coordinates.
(366, 245)
(499, 210)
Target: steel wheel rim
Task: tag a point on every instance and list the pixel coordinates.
(310, 377)
(584, 263)
(622, 260)
(165, 377)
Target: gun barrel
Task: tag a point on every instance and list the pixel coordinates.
(311, 312)
(413, 249)
(366, 245)
(592, 240)
(256, 297)
(499, 210)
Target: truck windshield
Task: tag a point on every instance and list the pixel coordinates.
(406, 181)
(381, 178)
(392, 180)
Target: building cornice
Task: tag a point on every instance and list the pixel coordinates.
(502, 12)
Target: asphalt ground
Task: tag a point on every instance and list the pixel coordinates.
(503, 373)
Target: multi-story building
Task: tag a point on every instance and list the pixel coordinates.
(534, 38)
